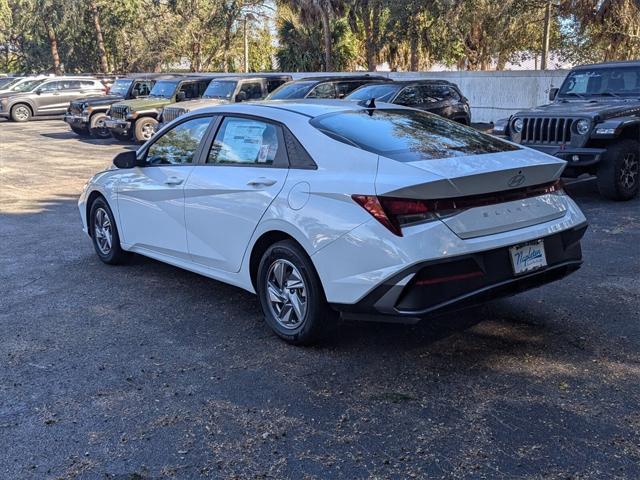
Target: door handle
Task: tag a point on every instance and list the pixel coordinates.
(262, 182)
(173, 181)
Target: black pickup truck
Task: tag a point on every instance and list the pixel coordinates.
(592, 122)
(86, 116)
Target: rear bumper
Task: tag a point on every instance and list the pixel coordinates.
(575, 156)
(457, 282)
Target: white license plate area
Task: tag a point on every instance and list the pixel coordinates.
(528, 257)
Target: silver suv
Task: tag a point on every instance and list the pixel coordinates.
(48, 96)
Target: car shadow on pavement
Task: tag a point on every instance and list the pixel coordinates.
(87, 139)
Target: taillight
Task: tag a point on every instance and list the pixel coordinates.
(395, 213)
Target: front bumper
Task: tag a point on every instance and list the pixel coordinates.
(575, 156)
(115, 124)
(76, 120)
(461, 281)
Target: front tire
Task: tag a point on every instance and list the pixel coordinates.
(618, 173)
(145, 129)
(21, 113)
(104, 234)
(97, 127)
(291, 295)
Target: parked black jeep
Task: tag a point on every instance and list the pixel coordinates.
(87, 115)
(593, 123)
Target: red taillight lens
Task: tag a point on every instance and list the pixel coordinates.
(395, 213)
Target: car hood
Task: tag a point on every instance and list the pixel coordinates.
(601, 108)
(15, 94)
(200, 103)
(100, 100)
(146, 103)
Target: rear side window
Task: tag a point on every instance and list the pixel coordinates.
(407, 135)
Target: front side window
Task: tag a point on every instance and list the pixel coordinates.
(163, 89)
(407, 135)
(143, 88)
(222, 89)
(253, 90)
(292, 90)
(409, 96)
(244, 141)
(178, 145)
(324, 90)
(51, 87)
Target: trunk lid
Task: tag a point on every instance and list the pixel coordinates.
(479, 177)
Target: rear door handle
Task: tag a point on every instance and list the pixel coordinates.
(262, 182)
(173, 181)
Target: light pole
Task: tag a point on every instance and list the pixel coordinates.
(246, 19)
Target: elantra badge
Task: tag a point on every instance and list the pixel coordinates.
(516, 181)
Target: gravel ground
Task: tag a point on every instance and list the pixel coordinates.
(146, 371)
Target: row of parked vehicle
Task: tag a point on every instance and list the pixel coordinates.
(133, 107)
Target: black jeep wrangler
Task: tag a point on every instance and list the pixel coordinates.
(593, 123)
(86, 116)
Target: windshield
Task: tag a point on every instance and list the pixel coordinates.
(292, 90)
(120, 87)
(163, 89)
(27, 86)
(614, 81)
(7, 82)
(382, 93)
(407, 135)
(217, 89)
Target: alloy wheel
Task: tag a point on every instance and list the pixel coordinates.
(629, 170)
(287, 294)
(102, 231)
(21, 113)
(147, 131)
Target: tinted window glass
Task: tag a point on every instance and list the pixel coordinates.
(409, 96)
(345, 88)
(143, 88)
(621, 81)
(273, 83)
(383, 92)
(244, 141)
(252, 89)
(190, 90)
(163, 89)
(407, 135)
(292, 90)
(220, 89)
(50, 87)
(324, 90)
(178, 145)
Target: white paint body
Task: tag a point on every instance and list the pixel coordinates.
(209, 220)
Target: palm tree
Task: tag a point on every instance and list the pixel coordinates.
(309, 10)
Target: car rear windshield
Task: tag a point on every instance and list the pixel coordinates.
(382, 93)
(407, 135)
(292, 90)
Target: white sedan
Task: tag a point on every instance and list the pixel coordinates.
(331, 208)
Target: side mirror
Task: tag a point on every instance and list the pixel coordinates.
(241, 97)
(135, 93)
(128, 159)
(38, 92)
(553, 92)
(181, 96)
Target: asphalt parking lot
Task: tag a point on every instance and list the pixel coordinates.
(146, 371)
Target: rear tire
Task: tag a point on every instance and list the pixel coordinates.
(618, 173)
(145, 129)
(21, 113)
(97, 127)
(104, 234)
(291, 295)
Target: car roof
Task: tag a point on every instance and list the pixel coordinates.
(308, 108)
(625, 63)
(334, 78)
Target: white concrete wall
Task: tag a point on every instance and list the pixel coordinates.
(492, 95)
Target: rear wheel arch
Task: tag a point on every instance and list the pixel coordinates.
(262, 244)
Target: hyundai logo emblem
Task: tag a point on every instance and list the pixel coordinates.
(516, 180)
